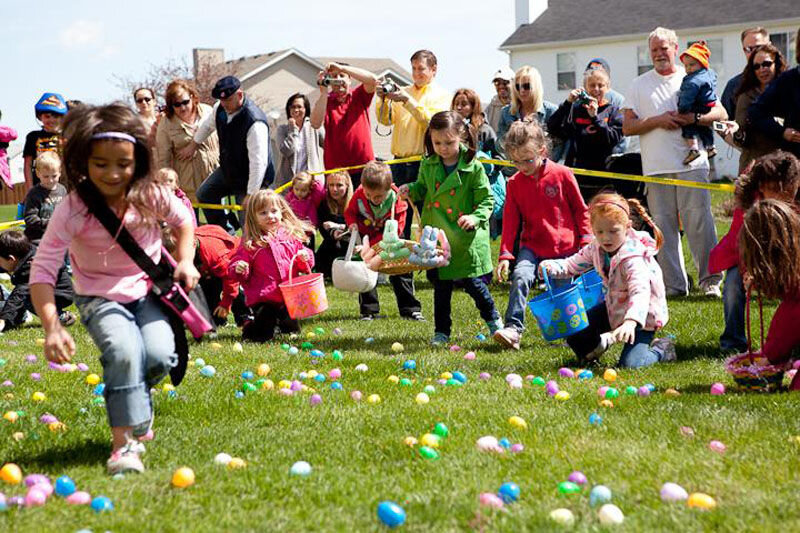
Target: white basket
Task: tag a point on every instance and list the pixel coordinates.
(353, 276)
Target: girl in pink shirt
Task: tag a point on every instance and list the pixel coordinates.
(169, 178)
(305, 197)
(108, 146)
(636, 304)
(273, 236)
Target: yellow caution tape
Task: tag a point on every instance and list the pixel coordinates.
(11, 224)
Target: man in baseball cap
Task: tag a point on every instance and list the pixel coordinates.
(225, 87)
(502, 80)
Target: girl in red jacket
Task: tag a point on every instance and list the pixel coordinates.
(769, 243)
(273, 236)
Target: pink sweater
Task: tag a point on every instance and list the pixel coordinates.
(188, 203)
(99, 266)
(306, 208)
(634, 283)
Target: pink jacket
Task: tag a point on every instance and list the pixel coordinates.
(188, 203)
(306, 208)
(634, 284)
(268, 266)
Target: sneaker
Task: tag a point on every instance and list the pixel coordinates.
(508, 337)
(416, 315)
(606, 341)
(367, 317)
(66, 318)
(494, 326)
(691, 156)
(711, 289)
(125, 459)
(665, 348)
(440, 339)
(711, 151)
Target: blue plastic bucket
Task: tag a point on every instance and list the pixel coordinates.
(590, 285)
(559, 312)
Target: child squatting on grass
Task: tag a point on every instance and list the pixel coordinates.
(273, 235)
(457, 199)
(636, 304)
(107, 145)
(770, 247)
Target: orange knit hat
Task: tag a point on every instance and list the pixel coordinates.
(698, 51)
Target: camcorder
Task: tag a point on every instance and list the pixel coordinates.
(583, 98)
(327, 81)
(388, 86)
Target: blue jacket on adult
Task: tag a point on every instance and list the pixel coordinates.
(781, 99)
(543, 115)
(233, 154)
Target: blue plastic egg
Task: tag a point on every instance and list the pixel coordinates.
(585, 374)
(391, 514)
(599, 494)
(64, 486)
(238, 394)
(509, 492)
(480, 337)
(98, 390)
(208, 371)
(336, 385)
(293, 350)
(595, 419)
(369, 340)
(317, 353)
(650, 386)
(247, 375)
(319, 378)
(410, 365)
(505, 443)
(102, 504)
(460, 377)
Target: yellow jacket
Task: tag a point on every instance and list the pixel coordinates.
(410, 119)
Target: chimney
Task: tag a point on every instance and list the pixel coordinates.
(527, 11)
(206, 57)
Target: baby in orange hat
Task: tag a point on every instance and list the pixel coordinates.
(698, 94)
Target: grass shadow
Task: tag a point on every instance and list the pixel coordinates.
(88, 452)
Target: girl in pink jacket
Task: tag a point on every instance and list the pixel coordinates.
(273, 236)
(636, 304)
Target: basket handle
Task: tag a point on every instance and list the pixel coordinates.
(351, 247)
(291, 264)
(547, 282)
(761, 320)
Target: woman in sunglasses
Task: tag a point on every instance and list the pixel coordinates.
(182, 115)
(145, 100)
(527, 99)
(764, 65)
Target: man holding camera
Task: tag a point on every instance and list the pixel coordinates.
(345, 115)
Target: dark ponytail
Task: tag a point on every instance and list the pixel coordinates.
(452, 122)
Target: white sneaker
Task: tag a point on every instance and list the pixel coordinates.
(711, 289)
(125, 459)
(606, 341)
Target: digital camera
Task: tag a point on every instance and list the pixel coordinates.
(327, 81)
(583, 97)
(388, 86)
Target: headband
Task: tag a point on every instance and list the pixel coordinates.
(612, 202)
(114, 135)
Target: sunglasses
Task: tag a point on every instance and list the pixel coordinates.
(749, 49)
(144, 100)
(520, 86)
(182, 103)
(502, 82)
(763, 64)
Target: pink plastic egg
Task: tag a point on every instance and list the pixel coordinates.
(335, 373)
(79, 498)
(487, 499)
(717, 446)
(717, 389)
(602, 391)
(35, 497)
(356, 395)
(484, 376)
(469, 356)
(517, 448)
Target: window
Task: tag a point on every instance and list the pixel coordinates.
(565, 67)
(785, 42)
(715, 62)
(643, 61)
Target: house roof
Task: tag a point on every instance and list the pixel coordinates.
(243, 67)
(568, 20)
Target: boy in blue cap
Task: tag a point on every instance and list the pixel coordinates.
(50, 110)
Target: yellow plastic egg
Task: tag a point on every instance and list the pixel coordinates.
(263, 370)
(429, 439)
(518, 422)
(699, 500)
(422, 398)
(397, 347)
(446, 375)
(237, 347)
(410, 442)
(38, 396)
(284, 384)
(92, 379)
(373, 398)
(11, 416)
(18, 436)
(268, 384)
(168, 387)
(394, 379)
(11, 474)
(310, 335)
(215, 346)
(236, 462)
(672, 392)
(56, 426)
(312, 374)
(183, 477)
(606, 403)
(562, 396)
(610, 375)
(9, 396)
(39, 342)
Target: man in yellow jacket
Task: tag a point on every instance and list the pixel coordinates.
(409, 109)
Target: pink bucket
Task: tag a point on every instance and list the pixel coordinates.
(305, 295)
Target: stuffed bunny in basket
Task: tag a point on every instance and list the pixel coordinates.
(426, 254)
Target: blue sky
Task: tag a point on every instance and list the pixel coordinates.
(76, 47)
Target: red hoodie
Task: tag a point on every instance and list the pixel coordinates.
(554, 217)
(725, 254)
(359, 212)
(215, 247)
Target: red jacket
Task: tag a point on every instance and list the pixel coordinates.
(268, 266)
(784, 335)
(725, 254)
(555, 221)
(215, 247)
(359, 212)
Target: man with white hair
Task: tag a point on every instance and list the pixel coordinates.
(651, 111)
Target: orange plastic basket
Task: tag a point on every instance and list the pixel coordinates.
(304, 295)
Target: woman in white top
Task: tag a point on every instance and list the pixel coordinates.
(300, 144)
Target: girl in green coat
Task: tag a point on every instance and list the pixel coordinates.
(457, 199)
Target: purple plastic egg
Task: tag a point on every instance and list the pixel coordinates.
(577, 477)
(552, 388)
(286, 392)
(296, 386)
(31, 358)
(513, 377)
(315, 399)
(15, 501)
(35, 479)
(441, 381)
(47, 418)
(8, 383)
(565, 372)
(83, 367)
(53, 366)
(484, 376)
(517, 448)
(643, 391)
(79, 498)
(35, 376)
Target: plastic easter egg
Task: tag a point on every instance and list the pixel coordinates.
(565, 372)
(310, 374)
(607, 403)
(237, 347)
(315, 399)
(397, 347)
(585, 374)
(717, 389)
(336, 386)
(249, 387)
(11, 416)
(183, 477)
(505, 443)
(562, 517)
(239, 394)
(355, 395)
(410, 442)
(602, 391)
(263, 370)
(517, 448)
(38, 396)
(610, 515)
(285, 347)
(469, 356)
(215, 346)
(268, 384)
(293, 350)
(460, 377)
(300, 468)
(517, 384)
(35, 376)
(430, 439)
(538, 381)
(481, 337)
(487, 499)
(446, 375)
(247, 375)
(717, 446)
(441, 430)
(599, 494)
(508, 492)
(643, 391)
(488, 444)
(222, 458)
(391, 514)
(208, 371)
(672, 492)
(102, 504)
(518, 422)
(568, 488)
(612, 393)
(11, 474)
(18, 436)
(672, 392)
(336, 355)
(168, 387)
(335, 373)
(35, 497)
(200, 362)
(484, 376)
(30, 358)
(296, 386)
(630, 390)
(319, 378)
(317, 353)
(552, 388)
(422, 398)
(429, 389)
(361, 367)
(699, 500)
(36, 479)
(7, 383)
(337, 331)
(427, 452)
(83, 367)
(562, 396)
(405, 382)
(373, 399)
(99, 389)
(3, 503)
(319, 331)
(369, 340)
(64, 486)
(306, 345)
(455, 348)
(236, 462)
(577, 477)
(610, 375)
(393, 379)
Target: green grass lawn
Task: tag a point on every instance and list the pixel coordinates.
(357, 450)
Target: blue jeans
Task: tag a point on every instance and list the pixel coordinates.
(443, 295)
(137, 349)
(521, 281)
(734, 299)
(634, 355)
(212, 191)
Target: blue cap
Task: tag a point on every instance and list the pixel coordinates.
(226, 87)
(601, 61)
(51, 103)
